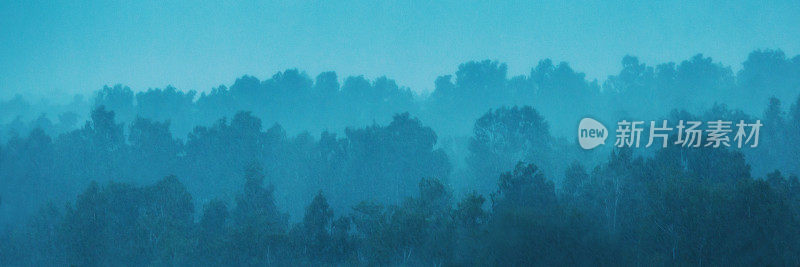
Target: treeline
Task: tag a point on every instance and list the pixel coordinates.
(301, 103)
(379, 163)
(627, 211)
(350, 175)
(387, 159)
(359, 200)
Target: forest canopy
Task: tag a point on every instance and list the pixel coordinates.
(485, 170)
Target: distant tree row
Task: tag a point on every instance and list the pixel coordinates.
(563, 95)
(387, 159)
(390, 190)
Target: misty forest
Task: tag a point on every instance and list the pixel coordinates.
(485, 169)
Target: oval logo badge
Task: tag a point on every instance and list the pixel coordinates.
(591, 133)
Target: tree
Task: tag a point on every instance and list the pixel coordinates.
(391, 159)
(118, 99)
(151, 144)
(316, 227)
(575, 178)
(124, 224)
(213, 246)
(503, 137)
(767, 73)
(258, 223)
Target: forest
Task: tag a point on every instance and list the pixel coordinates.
(484, 170)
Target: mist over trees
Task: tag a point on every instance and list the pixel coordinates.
(295, 170)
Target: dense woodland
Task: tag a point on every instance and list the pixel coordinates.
(484, 170)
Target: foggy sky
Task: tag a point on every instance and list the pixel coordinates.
(59, 48)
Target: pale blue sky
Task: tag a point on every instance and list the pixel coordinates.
(58, 48)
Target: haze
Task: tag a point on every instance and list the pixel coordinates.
(59, 48)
